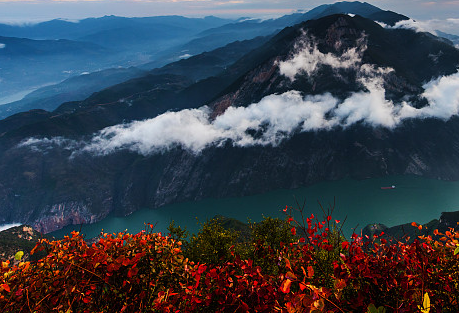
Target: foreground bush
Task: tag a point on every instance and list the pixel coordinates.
(319, 272)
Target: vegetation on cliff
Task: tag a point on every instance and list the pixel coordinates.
(302, 264)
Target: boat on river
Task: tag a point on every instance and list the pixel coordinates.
(389, 187)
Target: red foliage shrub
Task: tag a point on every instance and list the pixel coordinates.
(321, 272)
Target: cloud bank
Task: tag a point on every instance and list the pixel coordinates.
(8, 226)
(276, 117)
(449, 25)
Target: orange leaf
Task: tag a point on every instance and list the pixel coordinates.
(310, 271)
(287, 264)
(340, 284)
(285, 288)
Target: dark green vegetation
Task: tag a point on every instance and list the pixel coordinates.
(220, 237)
(20, 238)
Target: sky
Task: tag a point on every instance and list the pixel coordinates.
(17, 11)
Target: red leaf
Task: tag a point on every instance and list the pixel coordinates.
(132, 272)
(293, 230)
(6, 287)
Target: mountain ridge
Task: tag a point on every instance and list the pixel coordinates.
(68, 172)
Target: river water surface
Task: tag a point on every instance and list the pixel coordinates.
(361, 201)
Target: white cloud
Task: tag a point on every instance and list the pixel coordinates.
(8, 226)
(443, 97)
(414, 25)
(185, 56)
(308, 58)
(449, 25)
(2, 45)
(276, 117)
(44, 144)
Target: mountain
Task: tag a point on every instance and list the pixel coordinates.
(25, 62)
(454, 38)
(406, 231)
(251, 28)
(81, 87)
(74, 88)
(146, 43)
(326, 99)
(93, 27)
(34, 55)
(19, 47)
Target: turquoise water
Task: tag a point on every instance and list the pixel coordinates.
(362, 202)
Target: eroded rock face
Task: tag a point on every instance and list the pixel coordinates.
(56, 216)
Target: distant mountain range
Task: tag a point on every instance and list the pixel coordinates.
(144, 42)
(334, 97)
(78, 88)
(43, 53)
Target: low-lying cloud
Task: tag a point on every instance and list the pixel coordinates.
(308, 58)
(8, 226)
(276, 117)
(268, 122)
(449, 26)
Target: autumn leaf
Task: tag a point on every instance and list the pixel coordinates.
(6, 287)
(18, 255)
(310, 271)
(425, 308)
(285, 288)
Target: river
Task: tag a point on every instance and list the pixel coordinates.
(361, 201)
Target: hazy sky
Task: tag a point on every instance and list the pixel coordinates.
(36, 10)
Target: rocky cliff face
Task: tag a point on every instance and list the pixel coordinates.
(48, 180)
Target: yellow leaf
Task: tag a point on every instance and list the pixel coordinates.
(19, 255)
(425, 304)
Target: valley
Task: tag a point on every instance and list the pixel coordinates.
(330, 97)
